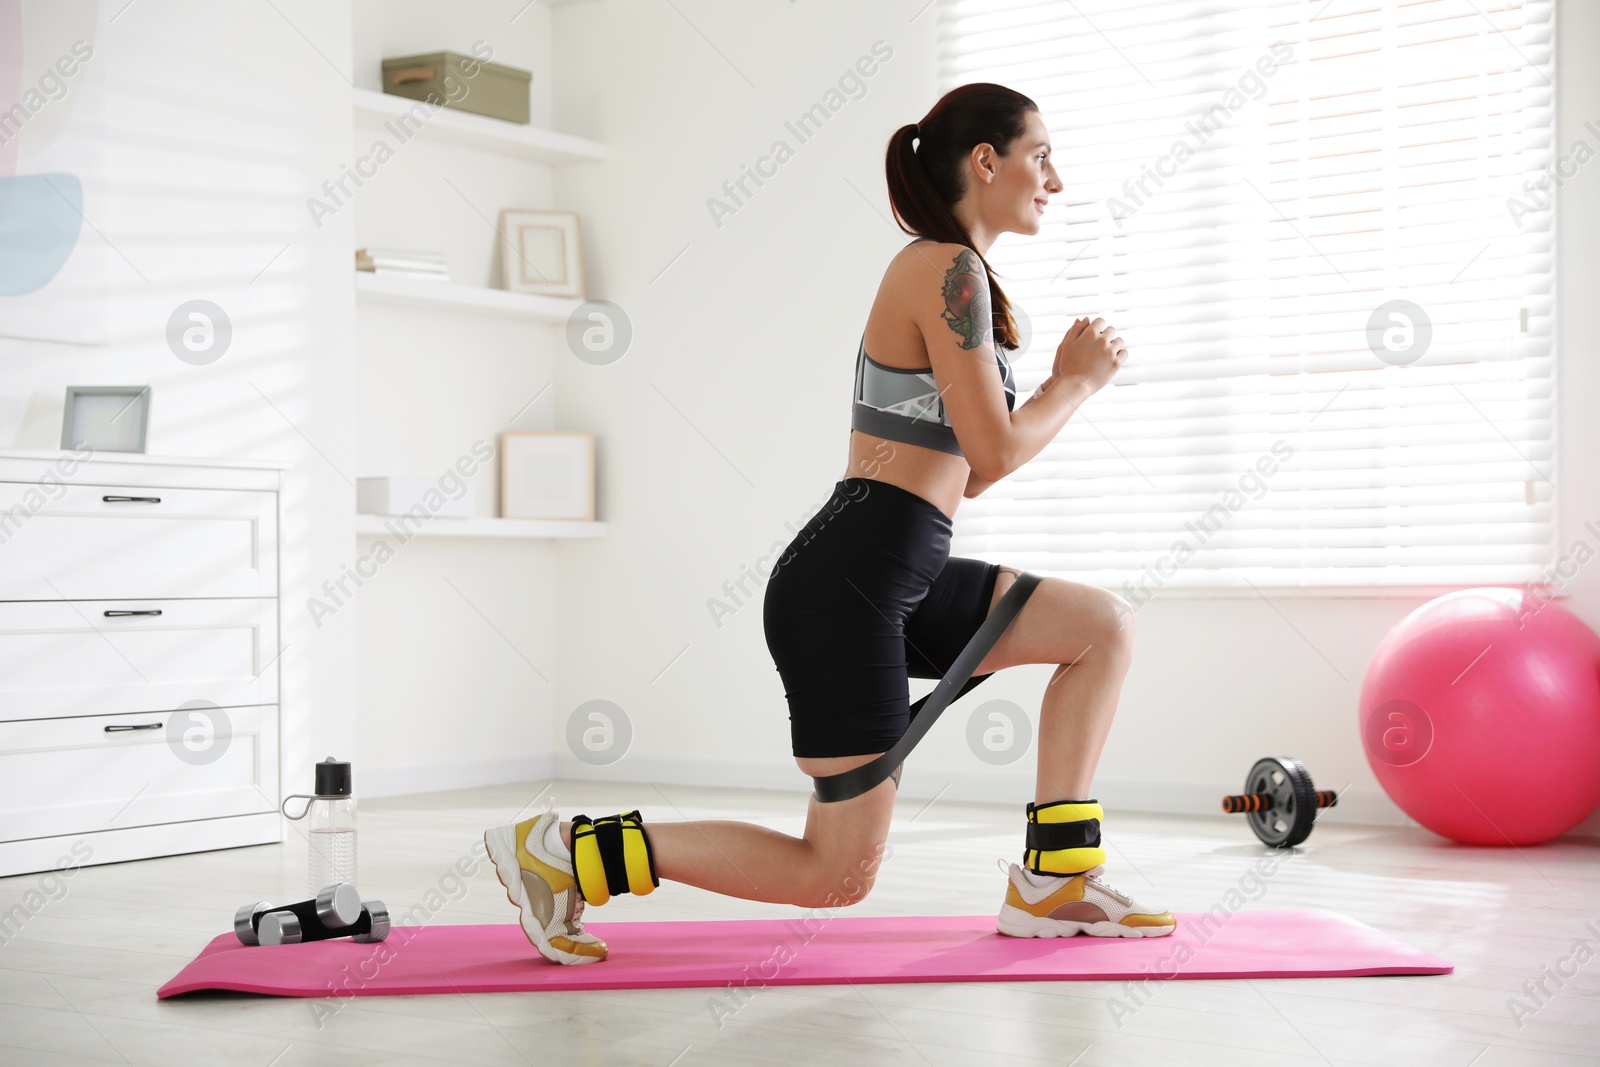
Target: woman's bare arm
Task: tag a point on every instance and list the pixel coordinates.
(1052, 404)
(1037, 421)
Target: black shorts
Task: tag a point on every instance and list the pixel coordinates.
(865, 597)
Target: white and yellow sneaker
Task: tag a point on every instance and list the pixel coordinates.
(1048, 905)
(536, 869)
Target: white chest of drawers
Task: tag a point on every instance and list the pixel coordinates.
(139, 647)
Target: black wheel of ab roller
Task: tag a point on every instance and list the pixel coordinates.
(1280, 801)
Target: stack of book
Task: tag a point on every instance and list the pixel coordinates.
(403, 263)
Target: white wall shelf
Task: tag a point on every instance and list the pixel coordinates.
(463, 128)
(407, 292)
(482, 526)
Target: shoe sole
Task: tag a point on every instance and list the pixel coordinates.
(501, 843)
(1014, 922)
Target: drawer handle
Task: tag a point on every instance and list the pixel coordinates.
(143, 726)
(131, 499)
(146, 611)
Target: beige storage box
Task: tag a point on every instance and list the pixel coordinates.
(462, 82)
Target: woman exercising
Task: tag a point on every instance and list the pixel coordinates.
(867, 594)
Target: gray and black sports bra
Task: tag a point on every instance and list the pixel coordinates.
(905, 405)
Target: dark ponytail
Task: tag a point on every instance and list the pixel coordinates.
(926, 179)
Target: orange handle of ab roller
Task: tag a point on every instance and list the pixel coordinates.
(1247, 802)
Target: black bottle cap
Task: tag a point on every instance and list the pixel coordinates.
(333, 778)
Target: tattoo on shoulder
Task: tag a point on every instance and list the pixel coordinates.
(966, 301)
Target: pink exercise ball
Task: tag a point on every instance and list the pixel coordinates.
(1480, 716)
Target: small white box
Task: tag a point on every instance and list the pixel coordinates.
(389, 495)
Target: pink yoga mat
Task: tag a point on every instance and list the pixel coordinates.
(806, 950)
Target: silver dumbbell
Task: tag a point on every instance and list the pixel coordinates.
(284, 927)
(336, 911)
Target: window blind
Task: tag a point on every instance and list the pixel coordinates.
(1250, 186)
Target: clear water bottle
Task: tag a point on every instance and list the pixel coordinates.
(332, 815)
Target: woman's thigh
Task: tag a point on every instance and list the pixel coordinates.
(948, 616)
(833, 622)
(852, 831)
(1060, 622)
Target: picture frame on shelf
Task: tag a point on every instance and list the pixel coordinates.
(106, 418)
(541, 252)
(547, 474)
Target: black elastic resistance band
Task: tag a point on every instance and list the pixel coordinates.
(955, 684)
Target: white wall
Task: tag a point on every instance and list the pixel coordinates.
(214, 120)
(725, 425)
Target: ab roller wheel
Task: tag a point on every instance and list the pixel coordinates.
(1280, 801)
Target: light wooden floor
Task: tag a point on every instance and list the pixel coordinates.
(77, 984)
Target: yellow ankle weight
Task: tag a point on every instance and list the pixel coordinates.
(1063, 837)
(612, 855)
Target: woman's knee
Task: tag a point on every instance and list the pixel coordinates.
(843, 890)
(1122, 614)
(841, 878)
(1114, 628)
